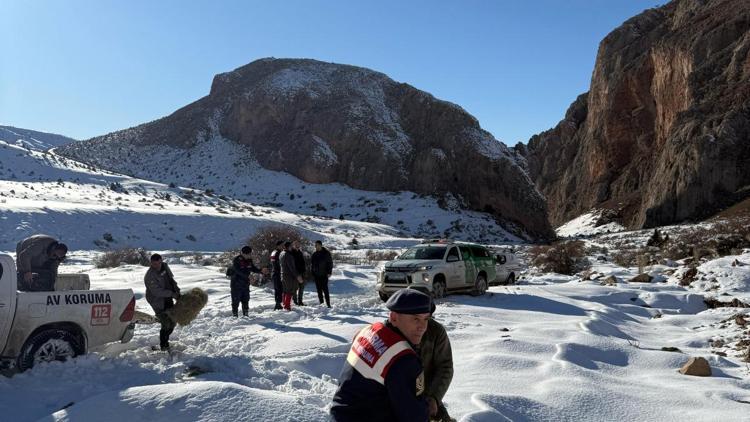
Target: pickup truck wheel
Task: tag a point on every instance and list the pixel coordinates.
(383, 296)
(47, 346)
(511, 279)
(480, 286)
(438, 289)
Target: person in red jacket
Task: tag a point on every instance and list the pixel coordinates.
(382, 379)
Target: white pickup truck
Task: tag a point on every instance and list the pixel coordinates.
(40, 327)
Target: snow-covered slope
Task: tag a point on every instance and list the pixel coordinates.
(221, 165)
(589, 224)
(41, 192)
(39, 141)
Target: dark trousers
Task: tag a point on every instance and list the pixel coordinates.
(167, 324)
(321, 285)
(240, 295)
(300, 291)
(278, 291)
(41, 281)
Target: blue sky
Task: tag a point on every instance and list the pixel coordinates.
(86, 68)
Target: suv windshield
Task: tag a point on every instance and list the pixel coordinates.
(424, 252)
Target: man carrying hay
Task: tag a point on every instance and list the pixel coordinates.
(161, 288)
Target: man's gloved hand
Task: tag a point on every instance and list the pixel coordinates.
(442, 415)
(433, 407)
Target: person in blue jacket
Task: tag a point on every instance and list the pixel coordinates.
(382, 379)
(242, 267)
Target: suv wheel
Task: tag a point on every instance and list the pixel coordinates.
(438, 289)
(480, 286)
(511, 279)
(383, 296)
(47, 346)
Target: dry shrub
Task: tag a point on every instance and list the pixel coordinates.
(380, 255)
(115, 258)
(566, 257)
(721, 239)
(264, 241)
(625, 257)
(346, 258)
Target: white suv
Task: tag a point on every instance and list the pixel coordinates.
(437, 268)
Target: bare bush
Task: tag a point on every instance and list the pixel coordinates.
(264, 241)
(720, 239)
(566, 257)
(347, 258)
(372, 255)
(625, 257)
(115, 258)
(200, 259)
(224, 259)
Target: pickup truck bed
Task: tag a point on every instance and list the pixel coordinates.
(44, 326)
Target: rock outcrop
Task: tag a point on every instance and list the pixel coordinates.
(696, 366)
(325, 123)
(662, 135)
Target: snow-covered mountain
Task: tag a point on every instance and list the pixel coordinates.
(39, 141)
(330, 123)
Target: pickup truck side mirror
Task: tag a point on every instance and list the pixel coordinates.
(451, 258)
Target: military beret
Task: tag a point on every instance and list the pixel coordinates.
(409, 301)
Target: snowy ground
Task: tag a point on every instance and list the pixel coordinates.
(553, 348)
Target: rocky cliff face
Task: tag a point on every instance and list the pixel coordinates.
(325, 123)
(663, 135)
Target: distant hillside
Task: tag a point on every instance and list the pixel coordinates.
(92, 209)
(330, 123)
(32, 139)
(41, 192)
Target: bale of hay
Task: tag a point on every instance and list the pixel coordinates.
(188, 306)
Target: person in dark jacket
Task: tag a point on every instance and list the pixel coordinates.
(161, 288)
(437, 359)
(290, 279)
(278, 289)
(242, 267)
(300, 265)
(388, 390)
(37, 260)
(321, 267)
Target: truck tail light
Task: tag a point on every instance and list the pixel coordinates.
(129, 312)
